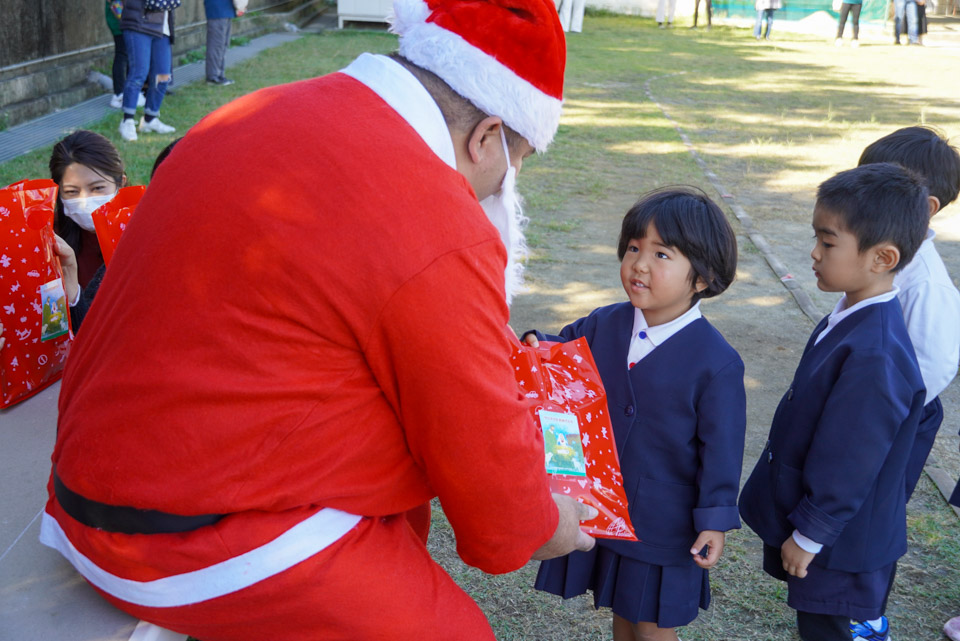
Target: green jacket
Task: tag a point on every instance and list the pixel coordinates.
(113, 19)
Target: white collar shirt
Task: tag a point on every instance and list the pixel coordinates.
(403, 92)
(644, 339)
(841, 311)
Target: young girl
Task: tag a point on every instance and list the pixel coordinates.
(676, 398)
(89, 171)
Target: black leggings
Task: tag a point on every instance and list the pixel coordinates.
(854, 11)
(120, 63)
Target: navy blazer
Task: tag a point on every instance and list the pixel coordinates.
(679, 418)
(835, 465)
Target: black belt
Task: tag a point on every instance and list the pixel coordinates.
(125, 520)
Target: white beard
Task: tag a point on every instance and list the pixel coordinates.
(505, 211)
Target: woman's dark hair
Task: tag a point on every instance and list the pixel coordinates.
(85, 148)
(687, 220)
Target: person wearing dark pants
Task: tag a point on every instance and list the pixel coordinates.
(219, 14)
(696, 9)
(853, 9)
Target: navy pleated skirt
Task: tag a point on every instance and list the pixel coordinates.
(861, 595)
(636, 591)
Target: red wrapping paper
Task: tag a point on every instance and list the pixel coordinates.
(35, 323)
(110, 219)
(567, 400)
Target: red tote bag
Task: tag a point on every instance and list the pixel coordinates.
(562, 384)
(33, 306)
(110, 219)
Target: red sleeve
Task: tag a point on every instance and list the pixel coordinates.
(440, 352)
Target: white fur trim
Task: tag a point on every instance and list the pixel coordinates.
(297, 544)
(477, 76)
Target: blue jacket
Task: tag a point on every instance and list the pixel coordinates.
(215, 9)
(835, 465)
(679, 418)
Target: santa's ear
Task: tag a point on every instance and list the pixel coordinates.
(484, 139)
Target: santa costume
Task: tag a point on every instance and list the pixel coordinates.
(302, 336)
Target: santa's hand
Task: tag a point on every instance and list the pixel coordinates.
(68, 263)
(568, 536)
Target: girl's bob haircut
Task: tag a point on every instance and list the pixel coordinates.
(688, 221)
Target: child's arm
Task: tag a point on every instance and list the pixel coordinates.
(860, 424)
(571, 332)
(721, 429)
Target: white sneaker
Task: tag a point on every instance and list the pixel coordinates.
(156, 126)
(116, 102)
(838, 42)
(128, 129)
(855, 44)
(141, 100)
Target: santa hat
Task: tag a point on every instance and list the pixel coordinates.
(505, 56)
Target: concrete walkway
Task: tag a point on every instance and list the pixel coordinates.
(46, 130)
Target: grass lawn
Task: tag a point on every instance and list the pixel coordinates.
(772, 120)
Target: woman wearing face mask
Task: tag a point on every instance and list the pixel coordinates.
(89, 171)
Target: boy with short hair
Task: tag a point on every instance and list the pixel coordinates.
(828, 493)
(930, 301)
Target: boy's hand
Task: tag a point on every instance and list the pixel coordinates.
(530, 338)
(713, 541)
(795, 558)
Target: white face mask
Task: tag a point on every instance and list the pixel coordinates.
(506, 213)
(79, 209)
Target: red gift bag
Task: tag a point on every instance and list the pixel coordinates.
(567, 400)
(110, 219)
(33, 306)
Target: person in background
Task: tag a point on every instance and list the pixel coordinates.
(851, 7)
(696, 10)
(88, 171)
(112, 11)
(765, 10)
(148, 36)
(930, 300)
(219, 14)
(665, 10)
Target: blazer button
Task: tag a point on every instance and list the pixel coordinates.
(628, 410)
(790, 394)
(769, 457)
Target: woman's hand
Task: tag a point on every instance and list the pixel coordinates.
(68, 262)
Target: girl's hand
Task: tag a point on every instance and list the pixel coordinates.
(795, 558)
(713, 541)
(68, 262)
(2, 339)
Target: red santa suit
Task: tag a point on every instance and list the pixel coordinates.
(303, 330)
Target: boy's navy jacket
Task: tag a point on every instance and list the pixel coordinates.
(835, 464)
(679, 418)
